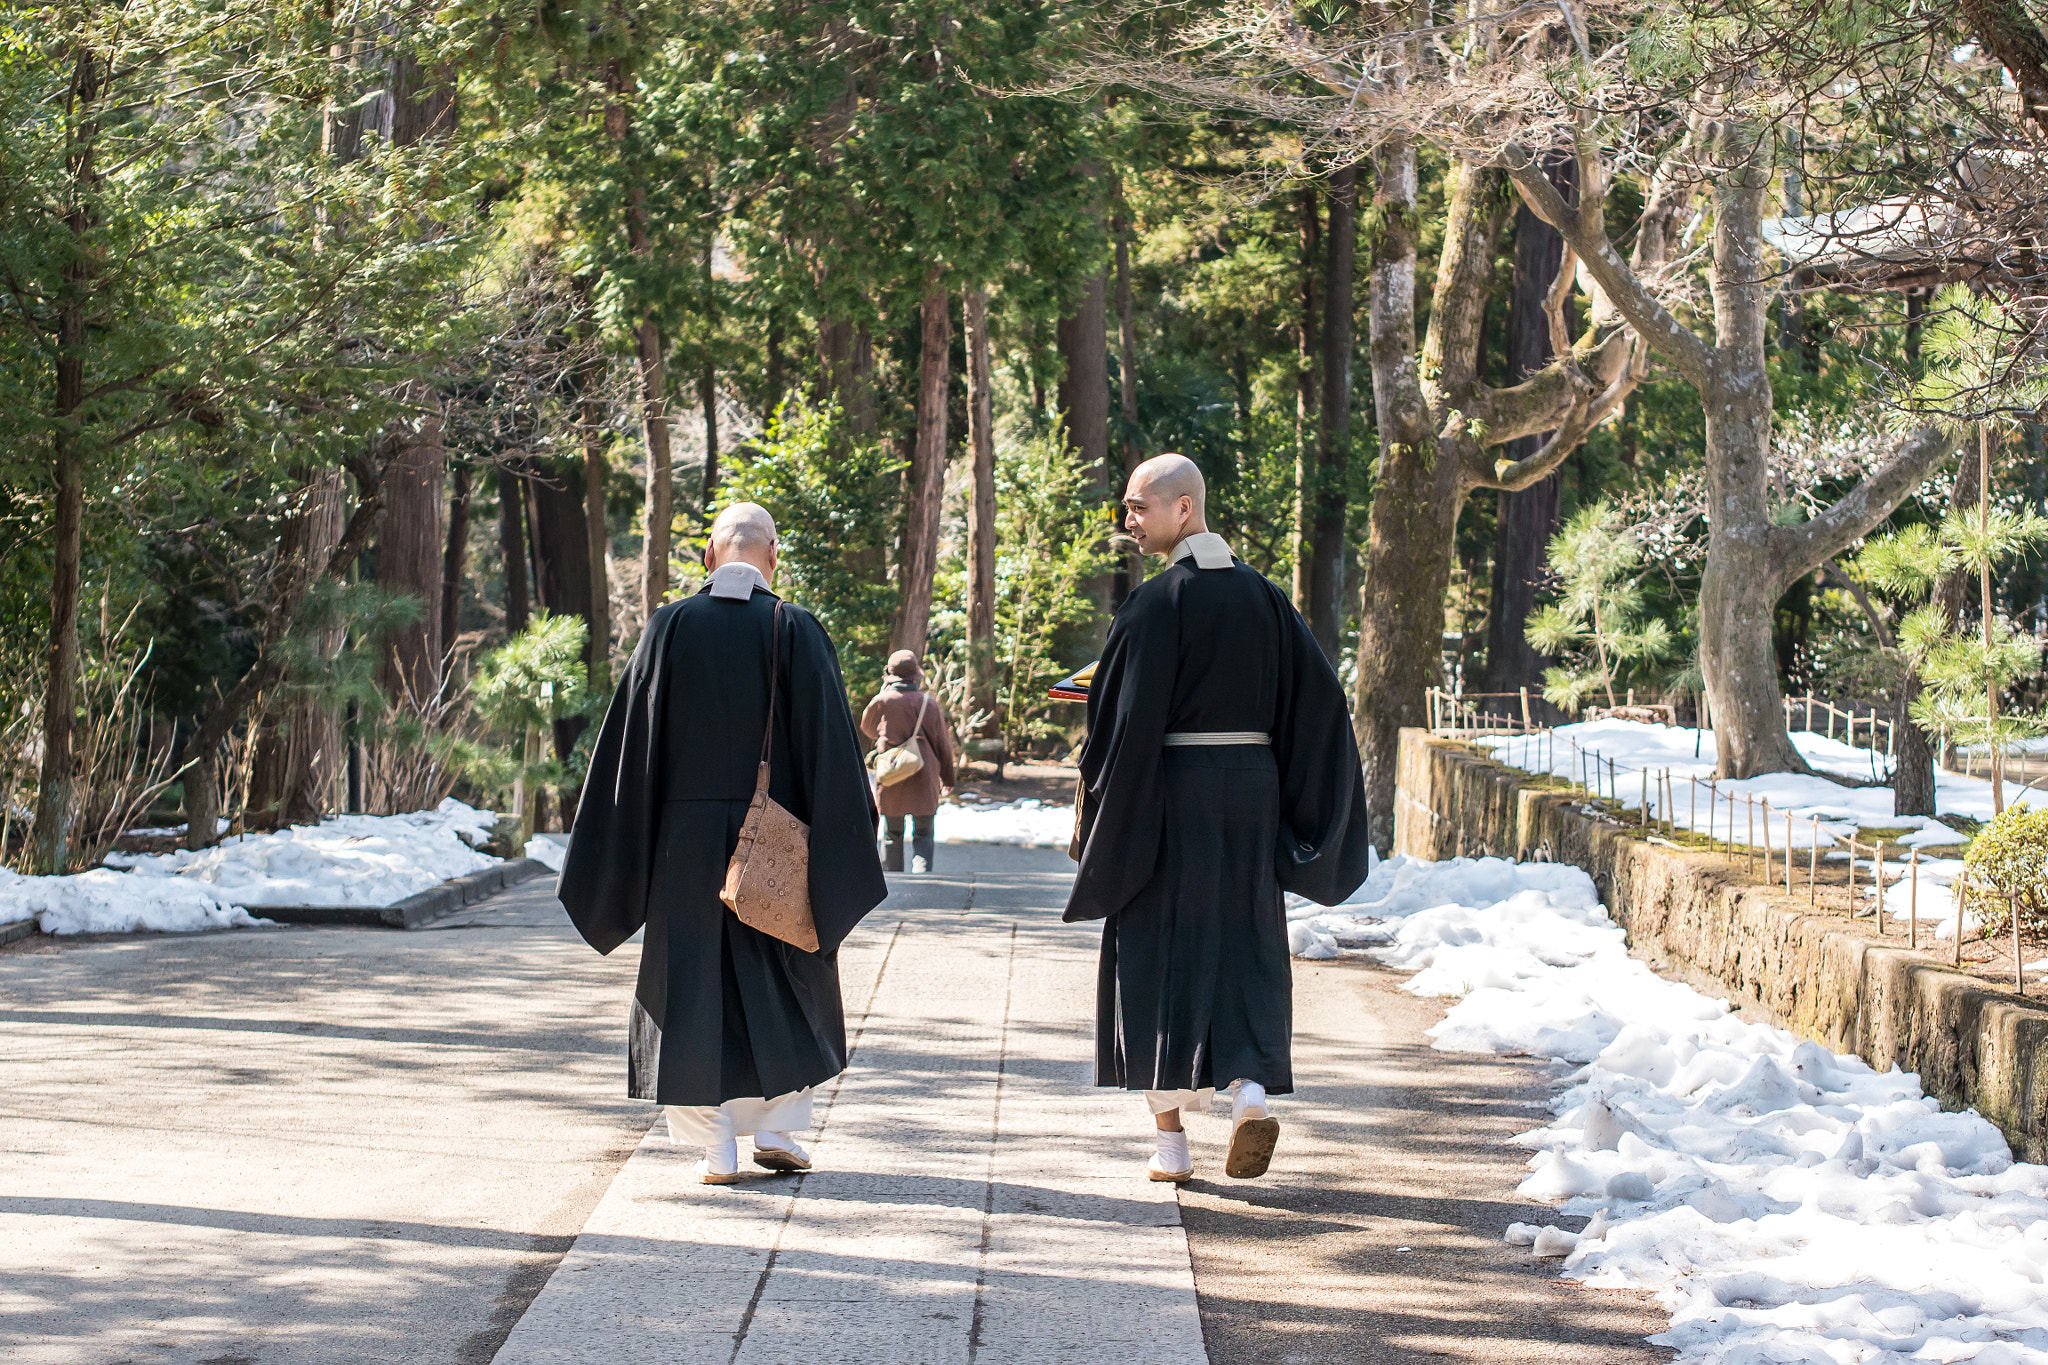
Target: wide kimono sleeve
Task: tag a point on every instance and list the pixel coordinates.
(1325, 842)
(1122, 802)
(831, 791)
(605, 876)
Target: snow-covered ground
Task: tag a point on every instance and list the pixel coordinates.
(1784, 1203)
(549, 850)
(1818, 809)
(972, 820)
(358, 860)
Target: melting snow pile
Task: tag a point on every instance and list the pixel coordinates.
(549, 850)
(365, 860)
(103, 901)
(970, 820)
(1785, 1203)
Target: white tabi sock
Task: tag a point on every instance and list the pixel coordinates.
(1171, 1153)
(1249, 1101)
(722, 1158)
(780, 1142)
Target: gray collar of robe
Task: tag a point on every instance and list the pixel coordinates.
(1210, 550)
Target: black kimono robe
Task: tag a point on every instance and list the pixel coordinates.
(722, 1011)
(1186, 851)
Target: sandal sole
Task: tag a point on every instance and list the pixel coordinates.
(1251, 1148)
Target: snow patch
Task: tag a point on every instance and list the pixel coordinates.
(549, 850)
(352, 860)
(1785, 1203)
(1026, 821)
(104, 901)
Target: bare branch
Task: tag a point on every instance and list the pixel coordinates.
(1585, 231)
(1798, 550)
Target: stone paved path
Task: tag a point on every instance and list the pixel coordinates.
(344, 1146)
(974, 1199)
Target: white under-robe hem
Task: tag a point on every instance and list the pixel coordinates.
(702, 1125)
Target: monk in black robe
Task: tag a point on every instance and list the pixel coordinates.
(1220, 771)
(730, 1028)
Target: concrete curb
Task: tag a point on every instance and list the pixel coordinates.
(414, 910)
(16, 930)
(1974, 1046)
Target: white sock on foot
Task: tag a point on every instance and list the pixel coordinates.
(1249, 1101)
(1171, 1153)
(722, 1158)
(780, 1142)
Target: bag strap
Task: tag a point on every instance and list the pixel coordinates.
(923, 702)
(774, 673)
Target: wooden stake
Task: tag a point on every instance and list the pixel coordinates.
(2019, 976)
(1788, 852)
(1813, 866)
(1913, 901)
(1767, 839)
(1960, 881)
(1880, 888)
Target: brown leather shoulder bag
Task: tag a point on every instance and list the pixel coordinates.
(768, 881)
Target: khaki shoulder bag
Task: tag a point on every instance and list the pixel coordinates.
(768, 881)
(901, 762)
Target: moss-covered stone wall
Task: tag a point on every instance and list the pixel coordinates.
(1973, 1046)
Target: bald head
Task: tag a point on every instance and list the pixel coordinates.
(1165, 503)
(744, 532)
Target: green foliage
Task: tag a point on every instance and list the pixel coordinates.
(522, 688)
(1051, 549)
(1958, 666)
(536, 678)
(835, 502)
(2011, 853)
(1598, 621)
(1051, 529)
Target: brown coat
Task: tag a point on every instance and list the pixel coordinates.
(887, 722)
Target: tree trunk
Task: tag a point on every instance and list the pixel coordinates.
(1132, 571)
(56, 786)
(1407, 566)
(512, 548)
(920, 556)
(1527, 520)
(653, 376)
(707, 399)
(981, 523)
(410, 544)
(455, 562)
(651, 367)
(289, 586)
(56, 783)
(298, 750)
(1913, 760)
(559, 531)
(1323, 532)
(775, 367)
(597, 530)
(1084, 397)
(1743, 580)
(1306, 450)
(846, 371)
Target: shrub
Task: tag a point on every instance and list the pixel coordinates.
(2012, 855)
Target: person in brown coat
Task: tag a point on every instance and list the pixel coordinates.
(891, 718)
